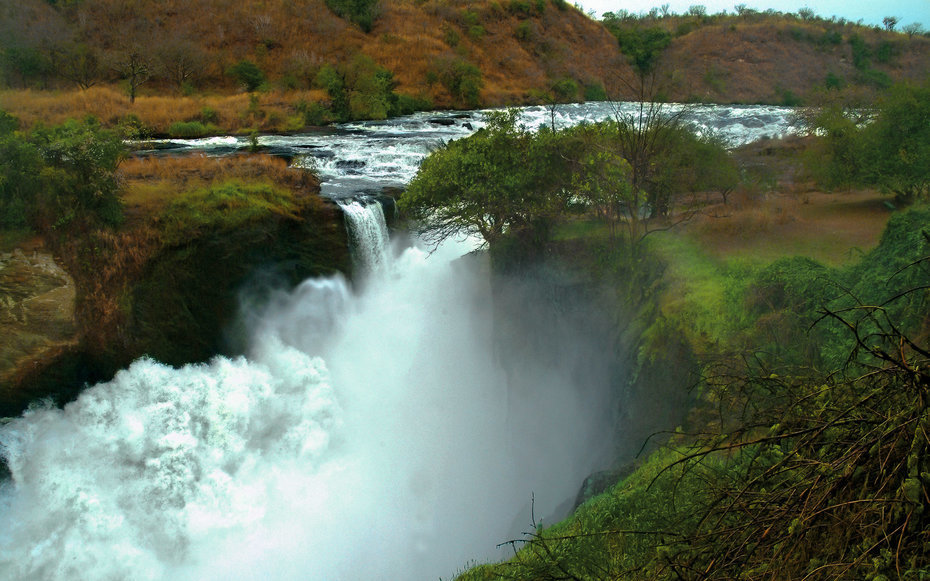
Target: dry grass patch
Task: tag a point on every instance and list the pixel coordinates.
(236, 113)
(831, 228)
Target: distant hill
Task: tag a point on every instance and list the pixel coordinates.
(519, 46)
(507, 52)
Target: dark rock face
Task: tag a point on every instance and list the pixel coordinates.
(37, 300)
(183, 308)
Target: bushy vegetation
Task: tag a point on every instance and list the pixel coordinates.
(57, 176)
(807, 457)
(248, 74)
(807, 454)
(359, 89)
(887, 147)
(361, 12)
(462, 79)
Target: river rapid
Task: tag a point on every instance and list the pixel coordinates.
(369, 156)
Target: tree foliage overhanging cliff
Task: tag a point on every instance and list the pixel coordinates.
(508, 182)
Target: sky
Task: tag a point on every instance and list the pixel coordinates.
(870, 12)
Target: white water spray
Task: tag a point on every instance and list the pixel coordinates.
(366, 436)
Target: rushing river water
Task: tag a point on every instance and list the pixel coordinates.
(366, 157)
(381, 432)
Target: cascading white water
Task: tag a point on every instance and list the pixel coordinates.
(368, 233)
(367, 435)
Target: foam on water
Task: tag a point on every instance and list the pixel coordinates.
(393, 149)
(367, 435)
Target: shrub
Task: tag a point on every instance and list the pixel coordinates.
(361, 12)
(525, 31)
(248, 74)
(519, 7)
(461, 78)
(407, 104)
(79, 177)
(565, 90)
(314, 113)
(595, 92)
(834, 82)
(188, 129)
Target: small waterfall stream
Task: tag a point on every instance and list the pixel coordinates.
(368, 233)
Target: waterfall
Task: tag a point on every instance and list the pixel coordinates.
(368, 234)
(365, 435)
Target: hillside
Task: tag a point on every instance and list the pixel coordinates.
(281, 66)
(520, 47)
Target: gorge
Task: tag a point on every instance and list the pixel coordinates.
(399, 427)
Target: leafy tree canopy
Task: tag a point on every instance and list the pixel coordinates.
(58, 174)
(499, 180)
(889, 149)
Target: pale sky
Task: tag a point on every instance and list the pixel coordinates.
(870, 12)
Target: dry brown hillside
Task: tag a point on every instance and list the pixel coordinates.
(61, 58)
(787, 60)
(519, 46)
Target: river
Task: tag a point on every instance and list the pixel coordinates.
(369, 156)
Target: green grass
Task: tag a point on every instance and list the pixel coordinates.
(189, 129)
(704, 291)
(613, 534)
(224, 207)
(12, 239)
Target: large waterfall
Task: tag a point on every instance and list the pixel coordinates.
(366, 435)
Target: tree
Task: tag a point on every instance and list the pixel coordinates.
(890, 22)
(20, 169)
(181, 61)
(491, 184)
(461, 78)
(897, 143)
(78, 63)
(371, 89)
(602, 180)
(132, 65)
(806, 13)
(79, 177)
(248, 74)
(887, 147)
(913, 29)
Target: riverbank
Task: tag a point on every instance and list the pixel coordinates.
(167, 283)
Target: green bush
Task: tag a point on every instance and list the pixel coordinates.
(57, 174)
(209, 115)
(595, 92)
(834, 82)
(314, 114)
(525, 31)
(248, 73)
(519, 7)
(20, 182)
(407, 104)
(361, 12)
(190, 129)
(461, 78)
(359, 89)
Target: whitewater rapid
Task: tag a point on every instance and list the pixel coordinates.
(366, 157)
(369, 433)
